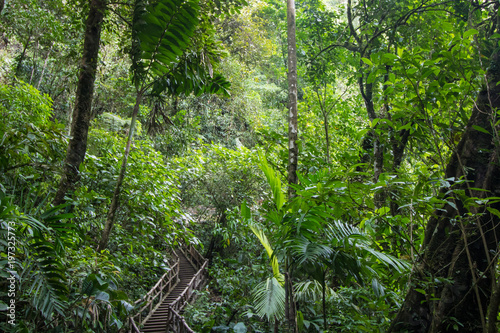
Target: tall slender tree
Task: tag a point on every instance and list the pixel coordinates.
(83, 105)
(293, 149)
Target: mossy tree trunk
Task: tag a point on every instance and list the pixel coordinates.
(77, 146)
(454, 281)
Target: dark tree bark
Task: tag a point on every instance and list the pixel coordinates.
(84, 93)
(460, 241)
(293, 149)
(493, 309)
(378, 151)
(23, 54)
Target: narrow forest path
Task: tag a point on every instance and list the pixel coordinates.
(167, 315)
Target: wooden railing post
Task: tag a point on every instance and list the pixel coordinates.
(175, 322)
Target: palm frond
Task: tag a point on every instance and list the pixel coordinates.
(305, 251)
(339, 233)
(161, 33)
(269, 299)
(311, 290)
(347, 236)
(399, 265)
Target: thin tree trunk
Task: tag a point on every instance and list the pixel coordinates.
(493, 309)
(290, 310)
(115, 201)
(324, 301)
(378, 152)
(34, 62)
(325, 113)
(293, 149)
(23, 54)
(77, 146)
(327, 138)
(44, 68)
(459, 239)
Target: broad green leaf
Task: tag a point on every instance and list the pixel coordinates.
(245, 211)
(367, 61)
(470, 32)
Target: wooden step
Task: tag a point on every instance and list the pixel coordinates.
(157, 322)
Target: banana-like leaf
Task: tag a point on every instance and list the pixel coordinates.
(274, 261)
(269, 299)
(273, 180)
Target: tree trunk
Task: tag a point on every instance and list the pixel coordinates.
(44, 68)
(85, 90)
(290, 309)
(378, 152)
(493, 309)
(323, 285)
(293, 149)
(115, 201)
(325, 113)
(452, 284)
(327, 138)
(23, 54)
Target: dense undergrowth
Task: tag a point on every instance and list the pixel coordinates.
(384, 99)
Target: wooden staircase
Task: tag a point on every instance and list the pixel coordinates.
(157, 322)
(164, 303)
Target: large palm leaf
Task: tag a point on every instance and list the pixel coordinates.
(161, 33)
(350, 237)
(269, 299)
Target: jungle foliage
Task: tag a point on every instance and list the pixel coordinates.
(392, 223)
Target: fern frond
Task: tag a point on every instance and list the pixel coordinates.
(161, 32)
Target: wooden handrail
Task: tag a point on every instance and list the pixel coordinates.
(167, 281)
(175, 321)
(187, 292)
